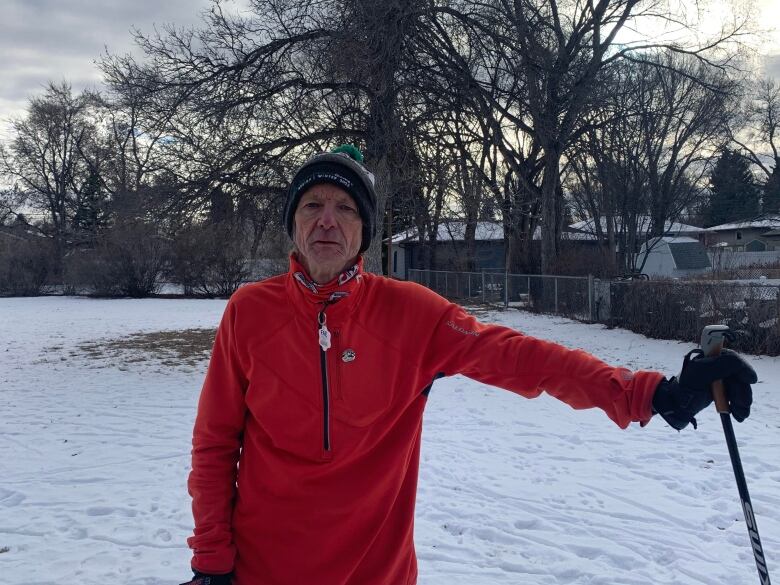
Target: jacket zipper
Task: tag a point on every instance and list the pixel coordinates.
(324, 340)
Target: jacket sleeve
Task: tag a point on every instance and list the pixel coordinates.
(216, 445)
(526, 365)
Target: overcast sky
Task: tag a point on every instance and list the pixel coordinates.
(42, 40)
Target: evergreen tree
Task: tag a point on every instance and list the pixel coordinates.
(734, 194)
(771, 201)
(90, 214)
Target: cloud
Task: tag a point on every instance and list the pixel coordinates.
(771, 66)
(43, 40)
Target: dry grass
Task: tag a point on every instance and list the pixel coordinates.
(185, 348)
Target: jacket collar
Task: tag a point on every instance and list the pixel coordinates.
(338, 296)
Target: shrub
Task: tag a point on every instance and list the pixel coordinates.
(210, 260)
(128, 260)
(25, 265)
(680, 310)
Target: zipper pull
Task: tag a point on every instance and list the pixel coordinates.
(324, 334)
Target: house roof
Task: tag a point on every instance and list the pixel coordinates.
(485, 231)
(770, 221)
(652, 243)
(689, 255)
(643, 225)
(676, 239)
(19, 234)
(456, 230)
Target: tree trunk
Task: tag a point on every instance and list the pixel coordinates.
(551, 211)
(383, 185)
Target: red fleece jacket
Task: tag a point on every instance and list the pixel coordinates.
(304, 461)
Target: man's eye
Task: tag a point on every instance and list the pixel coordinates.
(348, 208)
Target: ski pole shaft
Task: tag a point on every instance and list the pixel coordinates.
(722, 406)
(747, 506)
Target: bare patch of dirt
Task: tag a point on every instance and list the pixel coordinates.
(183, 348)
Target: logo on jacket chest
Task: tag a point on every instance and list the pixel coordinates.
(348, 355)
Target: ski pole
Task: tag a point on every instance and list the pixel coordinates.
(712, 338)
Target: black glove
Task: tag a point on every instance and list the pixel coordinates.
(203, 579)
(678, 401)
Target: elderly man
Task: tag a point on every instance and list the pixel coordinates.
(307, 438)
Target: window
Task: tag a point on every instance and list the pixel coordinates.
(395, 261)
(739, 235)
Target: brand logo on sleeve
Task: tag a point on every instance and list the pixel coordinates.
(460, 329)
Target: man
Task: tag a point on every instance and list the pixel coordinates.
(307, 439)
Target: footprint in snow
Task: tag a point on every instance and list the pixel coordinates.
(107, 511)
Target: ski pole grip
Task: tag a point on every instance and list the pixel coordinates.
(712, 338)
(718, 390)
(719, 394)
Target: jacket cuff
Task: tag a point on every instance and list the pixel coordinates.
(646, 383)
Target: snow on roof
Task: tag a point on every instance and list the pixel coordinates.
(652, 243)
(761, 222)
(486, 231)
(678, 240)
(567, 235)
(643, 225)
(456, 230)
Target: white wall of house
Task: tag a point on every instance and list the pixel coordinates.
(735, 237)
(659, 261)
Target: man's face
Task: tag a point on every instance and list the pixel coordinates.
(328, 231)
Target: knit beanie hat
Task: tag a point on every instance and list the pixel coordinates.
(343, 167)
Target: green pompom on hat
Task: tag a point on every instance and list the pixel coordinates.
(350, 149)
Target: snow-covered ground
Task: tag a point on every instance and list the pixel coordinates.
(94, 455)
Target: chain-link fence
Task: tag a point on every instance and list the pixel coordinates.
(572, 296)
(660, 309)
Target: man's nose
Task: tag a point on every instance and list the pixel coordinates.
(327, 218)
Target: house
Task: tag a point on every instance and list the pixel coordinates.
(409, 253)
(673, 257)
(671, 228)
(761, 234)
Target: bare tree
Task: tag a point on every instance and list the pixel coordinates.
(761, 141)
(551, 56)
(246, 98)
(44, 161)
(254, 95)
(685, 106)
(650, 146)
